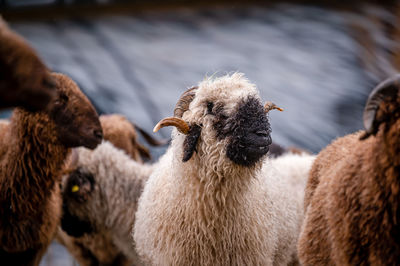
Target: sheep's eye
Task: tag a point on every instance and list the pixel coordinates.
(210, 106)
(62, 99)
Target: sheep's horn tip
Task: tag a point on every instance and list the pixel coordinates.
(271, 106)
(157, 128)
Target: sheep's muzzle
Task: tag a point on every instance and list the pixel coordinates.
(248, 132)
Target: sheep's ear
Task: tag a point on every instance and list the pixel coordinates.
(385, 91)
(190, 143)
(149, 139)
(143, 151)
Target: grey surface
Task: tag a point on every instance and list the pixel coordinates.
(302, 58)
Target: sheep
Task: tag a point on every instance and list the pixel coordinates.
(33, 150)
(352, 194)
(214, 198)
(98, 248)
(123, 134)
(100, 200)
(93, 248)
(25, 80)
(92, 192)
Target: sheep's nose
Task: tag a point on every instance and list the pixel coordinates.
(98, 133)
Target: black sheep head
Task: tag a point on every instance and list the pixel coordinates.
(227, 110)
(247, 131)
(77, 190)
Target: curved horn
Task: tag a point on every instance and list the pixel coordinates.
(181, 125)
(268, 106)
(386, 89)
(181, 106)
(183, 103)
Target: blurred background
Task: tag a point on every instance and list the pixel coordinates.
(318, 60)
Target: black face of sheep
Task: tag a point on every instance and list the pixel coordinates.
(78, 188)
(248, 132)
(246, 129)
(76, 119)
(24, 79)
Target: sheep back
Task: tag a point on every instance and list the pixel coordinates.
(350, 218)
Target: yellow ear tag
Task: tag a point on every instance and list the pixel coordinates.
(75, 188)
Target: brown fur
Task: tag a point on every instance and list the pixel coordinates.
(123, 134)
(352, 199)
(24, 79)
(98, 248)
(33, 149)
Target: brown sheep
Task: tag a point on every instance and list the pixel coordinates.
(352, 195)
(33, 150)
(97, 248)
(123, 134)
(24, 79)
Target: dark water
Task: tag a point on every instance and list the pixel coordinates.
(302, 58)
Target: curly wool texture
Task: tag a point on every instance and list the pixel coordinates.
(352, 201)
(93, 248)
(210, 210)
(111, 206)
(33, 148)
(352, 195)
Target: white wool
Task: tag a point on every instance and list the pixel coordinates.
(112, 205)
(295, 169)
(211, 211)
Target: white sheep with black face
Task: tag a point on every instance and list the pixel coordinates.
(214, 198)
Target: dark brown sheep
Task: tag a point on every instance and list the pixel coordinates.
(353, 193)
(33, 150)
(97, 248)
(24, 79)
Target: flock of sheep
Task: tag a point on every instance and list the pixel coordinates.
(218, 196)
